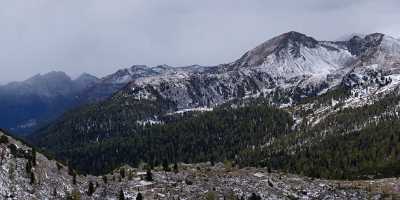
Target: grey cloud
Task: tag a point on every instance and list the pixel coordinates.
(100, 36)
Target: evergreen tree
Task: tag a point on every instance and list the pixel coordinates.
(166, 166)
(3, 139)
(55, 192)
(105, 179)
(121, 195)
(74, 179)
(91, 189)
(149, 175)
(70, 170)
(122, 172)
(28, 167)
(32, 178)
(176, 170)
(33, 157)
(139, 196)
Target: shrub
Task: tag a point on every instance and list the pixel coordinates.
(3, 139)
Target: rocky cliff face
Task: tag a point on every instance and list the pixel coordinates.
(29, 175)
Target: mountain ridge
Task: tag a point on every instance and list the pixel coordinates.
(327, 72)
(39, 99)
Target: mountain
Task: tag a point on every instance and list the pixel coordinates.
(28, 174)
(292, 64)
(85, 81)
(39, 99)
(337, 91)
(109, 84)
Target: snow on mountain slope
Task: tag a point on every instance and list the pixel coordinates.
(110, 84)
(294, 54)
(291, 65)
(22, 178)
(285, 69)
(378, 49)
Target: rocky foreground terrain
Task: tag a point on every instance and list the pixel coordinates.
(26, 174)
(202, 181)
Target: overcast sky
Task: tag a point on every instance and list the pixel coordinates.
(101, 36)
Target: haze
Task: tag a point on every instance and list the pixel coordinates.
(101, 36)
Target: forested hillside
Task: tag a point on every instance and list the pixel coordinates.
(192, 137)
(350, 143)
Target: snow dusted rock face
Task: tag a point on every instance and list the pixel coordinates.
(291, 66)
(285, 69)
(376, 49)
(21, 179)
(367, 76)
(116, 81)
(294, 54)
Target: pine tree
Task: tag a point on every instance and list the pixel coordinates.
(166, 166)
(90, 189)
(139, 196)
(74, 179)
(121, 195)
(33, 157)
(149, 175)
(70, 170)
(176, 170)
(28, 167)
(122, 172)
(32, 178)
(105, 179)
(54, 192)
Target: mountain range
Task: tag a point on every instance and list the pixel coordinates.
(318, 88)
(285, 69)
(323, 109)
(40, 99)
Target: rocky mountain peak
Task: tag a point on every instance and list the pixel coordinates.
(50, 84)
(85, 81)
(86, 76)
(358, 45)
(280, 46)
(126, 75)
(376, 49)
(294, 37)
(138, 68)
(58, 76)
